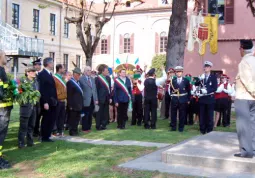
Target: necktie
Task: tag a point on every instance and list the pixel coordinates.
(89, 82)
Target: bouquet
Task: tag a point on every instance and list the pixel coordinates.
(27, 94)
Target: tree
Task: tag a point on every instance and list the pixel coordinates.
(83, 26)
(177, 32)
(157, 62)
(251, 5)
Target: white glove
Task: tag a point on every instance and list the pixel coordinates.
(226, 91)
(204, 91)
(202, 77)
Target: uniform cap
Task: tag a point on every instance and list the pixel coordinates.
(178, 68)
(77, 70)
(208, 63)
(37, 62)
(246, 44)
(151, 72)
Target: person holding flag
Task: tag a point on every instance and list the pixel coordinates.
(122, 97)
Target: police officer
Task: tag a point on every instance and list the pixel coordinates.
(28, 111)
(180, 94)
(5, 108)
(206, 98)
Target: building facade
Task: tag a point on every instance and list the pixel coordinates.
(136, 32)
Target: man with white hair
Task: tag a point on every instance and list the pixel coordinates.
(89, 98)
(245, 100)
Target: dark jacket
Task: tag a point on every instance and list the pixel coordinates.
(74, 95)
(26, 110)
(211, 87)
(120, 96)
(184, 88)
(47, 88)
(102, 92)
(150, 89)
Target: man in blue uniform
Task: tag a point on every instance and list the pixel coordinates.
(180, 94)
(206, 98)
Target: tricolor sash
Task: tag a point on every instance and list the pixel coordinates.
(104, 81)
(76, 84)
(123, 87)
(60, 80)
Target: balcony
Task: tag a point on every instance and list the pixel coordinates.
(14, 43)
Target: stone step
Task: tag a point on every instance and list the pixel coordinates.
(214, 150)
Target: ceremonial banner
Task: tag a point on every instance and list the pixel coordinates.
(203, 30)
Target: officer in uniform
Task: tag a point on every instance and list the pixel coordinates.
(37, 64)
(28, 111)
(180, 94)
(206, 98)
(5, 108)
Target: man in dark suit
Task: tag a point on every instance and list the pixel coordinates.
(206, 98)
(89, 98)
(180, 88)
(37, 64)
(48, 92)
(122, 97)
(74, 102)
(103, 85)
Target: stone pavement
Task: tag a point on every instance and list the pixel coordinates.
(106, 142)
(210, 155)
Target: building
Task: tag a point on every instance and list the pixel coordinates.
(139, 31)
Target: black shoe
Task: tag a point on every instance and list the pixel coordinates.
(243, 156)
(35, 135)
(147, 127)
(21, 146)
(122, 128)
(139, 124)
(47, 140)
(4, 164)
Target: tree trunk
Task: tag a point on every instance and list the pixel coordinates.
(89, 61)
(177, 34)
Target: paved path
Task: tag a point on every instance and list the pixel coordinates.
(106, 142)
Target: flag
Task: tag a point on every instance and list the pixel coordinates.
(117, 61)
(137, 60)
(110, 70)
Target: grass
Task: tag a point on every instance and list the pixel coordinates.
(77, 160)
(161, 134)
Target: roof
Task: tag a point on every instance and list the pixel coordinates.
(149, 5)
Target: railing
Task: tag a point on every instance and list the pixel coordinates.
(14, 42)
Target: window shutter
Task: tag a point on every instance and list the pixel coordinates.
(109, 44)
(132, 43)
(98, 48)
(156, 43)
(121, 50)
(229, 11)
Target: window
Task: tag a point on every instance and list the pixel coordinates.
(78, 61)
(52, 55)
(126, 43)
(52, 24)
(15, 15)
(103, 45)
(163, 42)
(66, 61)
(36, 20)
(217, 7)
(66, 30)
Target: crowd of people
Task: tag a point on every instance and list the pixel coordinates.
(69, 99)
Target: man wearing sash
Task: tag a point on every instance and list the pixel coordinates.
(61, 95)
(206, 99)
(103, 85)
(122, 97)
(74, 102)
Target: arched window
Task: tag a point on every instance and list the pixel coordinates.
(163, 42)
(127, 43)
(103, 45)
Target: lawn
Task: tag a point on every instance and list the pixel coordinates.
(75, 160)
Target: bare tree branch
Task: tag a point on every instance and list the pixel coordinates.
(251, 5)
(91, 3)
(105, 5)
